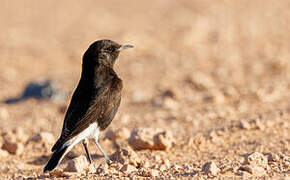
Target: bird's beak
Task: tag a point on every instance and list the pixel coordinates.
(125, 46)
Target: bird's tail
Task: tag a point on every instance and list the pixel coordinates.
(55, 158)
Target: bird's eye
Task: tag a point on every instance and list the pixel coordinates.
(111, 49)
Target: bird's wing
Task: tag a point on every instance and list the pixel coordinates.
(85, 109)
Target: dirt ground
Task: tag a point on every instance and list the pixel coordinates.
(214, 74)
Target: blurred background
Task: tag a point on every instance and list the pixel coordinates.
(196, 64)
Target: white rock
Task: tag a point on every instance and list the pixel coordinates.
(167, 163)
(258, 159)
(245, 125)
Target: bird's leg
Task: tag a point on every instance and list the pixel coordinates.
(85, 143)
(109, 161)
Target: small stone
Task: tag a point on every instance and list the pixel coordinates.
(3, 153)
(19, 133)
(259, 124)
(187, 167)
(45, 137)
(155, 166)
(157, 158)
(91, 169)
(163, 140)
(273, 157)
(142, 138)
(126, 155)
(56, 172)
(210, 168)
(78, 164)
(103, 169)
(176, 167)
(146, 164)
(171, 104)
(286, 160)
(127, 169)
(144, 172)
(154, 173)
(150, 138)
(245, 125)
(254, 170)
(167, 163)
(258, 159)
(162, 167)
(13, 147)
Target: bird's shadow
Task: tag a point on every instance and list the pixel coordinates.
(38, 90)
(42, 160)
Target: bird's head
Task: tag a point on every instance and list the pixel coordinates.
(103, 52)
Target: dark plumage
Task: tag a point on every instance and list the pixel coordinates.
(94, 102)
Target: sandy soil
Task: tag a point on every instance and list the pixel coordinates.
(213, 73)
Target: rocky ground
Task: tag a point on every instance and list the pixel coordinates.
(206, 88)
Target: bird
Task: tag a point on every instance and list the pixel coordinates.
(94, 102)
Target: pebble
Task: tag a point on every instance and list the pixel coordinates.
(56, 172)
(150, 138)
(171, 104)
(167, 163)
(154, 173)
(254, 170)
(3, 153)
(19, 133)
(78, 164)
(257, 159)
(163, 167)
(13, 147)
(102, 169)
(91, 169)
(176, 167)
(256, 164)
(146, 164)
(210, 168)
(245, 125)
(126, 155)
(273, 157)
(128, 169)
